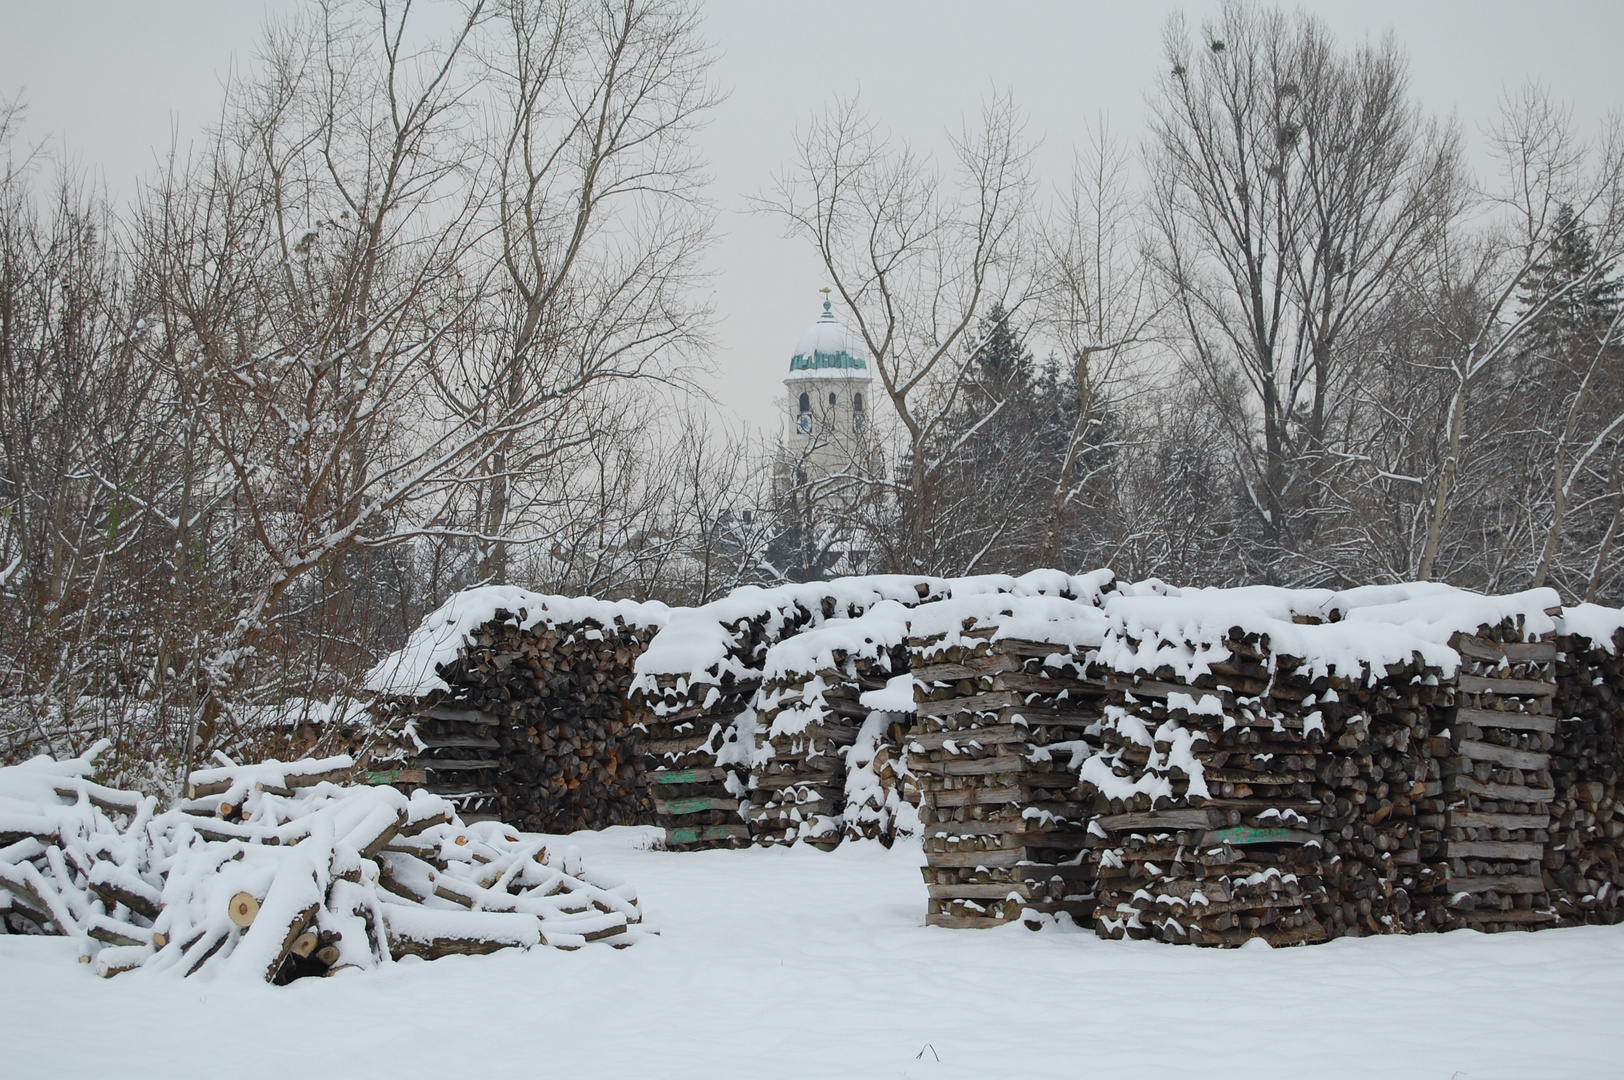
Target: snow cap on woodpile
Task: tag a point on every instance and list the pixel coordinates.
(1350, 632)
(1592, 621)
(441, 636)
(1046, 618)
(869, 636)
(701, 643)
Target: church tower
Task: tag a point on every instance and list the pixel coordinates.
(828, 401)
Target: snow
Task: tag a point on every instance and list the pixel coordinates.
(410, 672)
(799, 963)
(1592, 621)
(1151, 625)
(700, 644)
(897, 696)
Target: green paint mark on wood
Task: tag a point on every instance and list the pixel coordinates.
(687, 806)
(685, 776)
(690, 835)
(1246, 834)
(387, 777)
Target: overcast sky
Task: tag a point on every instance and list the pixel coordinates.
(113, 79)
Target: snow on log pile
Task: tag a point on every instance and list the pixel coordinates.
(1581, 863)
(1006, 690)
(1208, 831)
(696, 684)
(1381, 780)
(882, 792)
(812, 720)
(1281, 764)
(513, 704)
(274, 872)
(1496, 744)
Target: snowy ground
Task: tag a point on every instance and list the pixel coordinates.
(792, 964)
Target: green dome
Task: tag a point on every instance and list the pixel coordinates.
(828, 348)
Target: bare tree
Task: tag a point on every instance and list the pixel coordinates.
(914, 257)
(1292, 182)
(1097, 303)
(1545, 168)
(385, 319)
(599, 226)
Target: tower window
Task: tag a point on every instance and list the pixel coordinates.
(806, 403)
(832, 399)
(803, 422)
(857, 402)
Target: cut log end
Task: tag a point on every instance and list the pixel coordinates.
(243, 908)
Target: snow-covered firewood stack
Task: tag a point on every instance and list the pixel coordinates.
(1381, 795)
(882, 792)
(695, 687)
(1312, 731)
(1209, 831)
(513, 704)
(275, 872)
(1583, 868)
(812, 719)
(1498, 775)
(1004, 699)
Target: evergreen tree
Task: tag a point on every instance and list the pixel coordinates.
(1583, 297)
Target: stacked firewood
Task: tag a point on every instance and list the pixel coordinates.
(1498, 779)
(1005, 693)
(812, 718)
(1583, 868)
(696, 686)
(1299, 730)
(882, 792)
(277, 871)
(1379, 785)
(689, 725)
(1209, 832)
(513, 705)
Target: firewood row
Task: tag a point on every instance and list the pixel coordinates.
(1380, 794)
(1498, 779)
(516, 710)
(1350, 787)
(1209, 831)
(694, 695)
(1582, 864)
(279, 871)
(998, 725)
(812, 717)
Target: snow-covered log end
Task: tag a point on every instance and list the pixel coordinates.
(281, 870)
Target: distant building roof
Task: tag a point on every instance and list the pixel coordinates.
(829, 348)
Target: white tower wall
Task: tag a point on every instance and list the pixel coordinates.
(828, 402)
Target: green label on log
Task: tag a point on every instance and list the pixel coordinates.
(686, 776)
(1245, 834)
(687, 806)
(692, 835)
(388, 777)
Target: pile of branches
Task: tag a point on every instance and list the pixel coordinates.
(279, 871)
